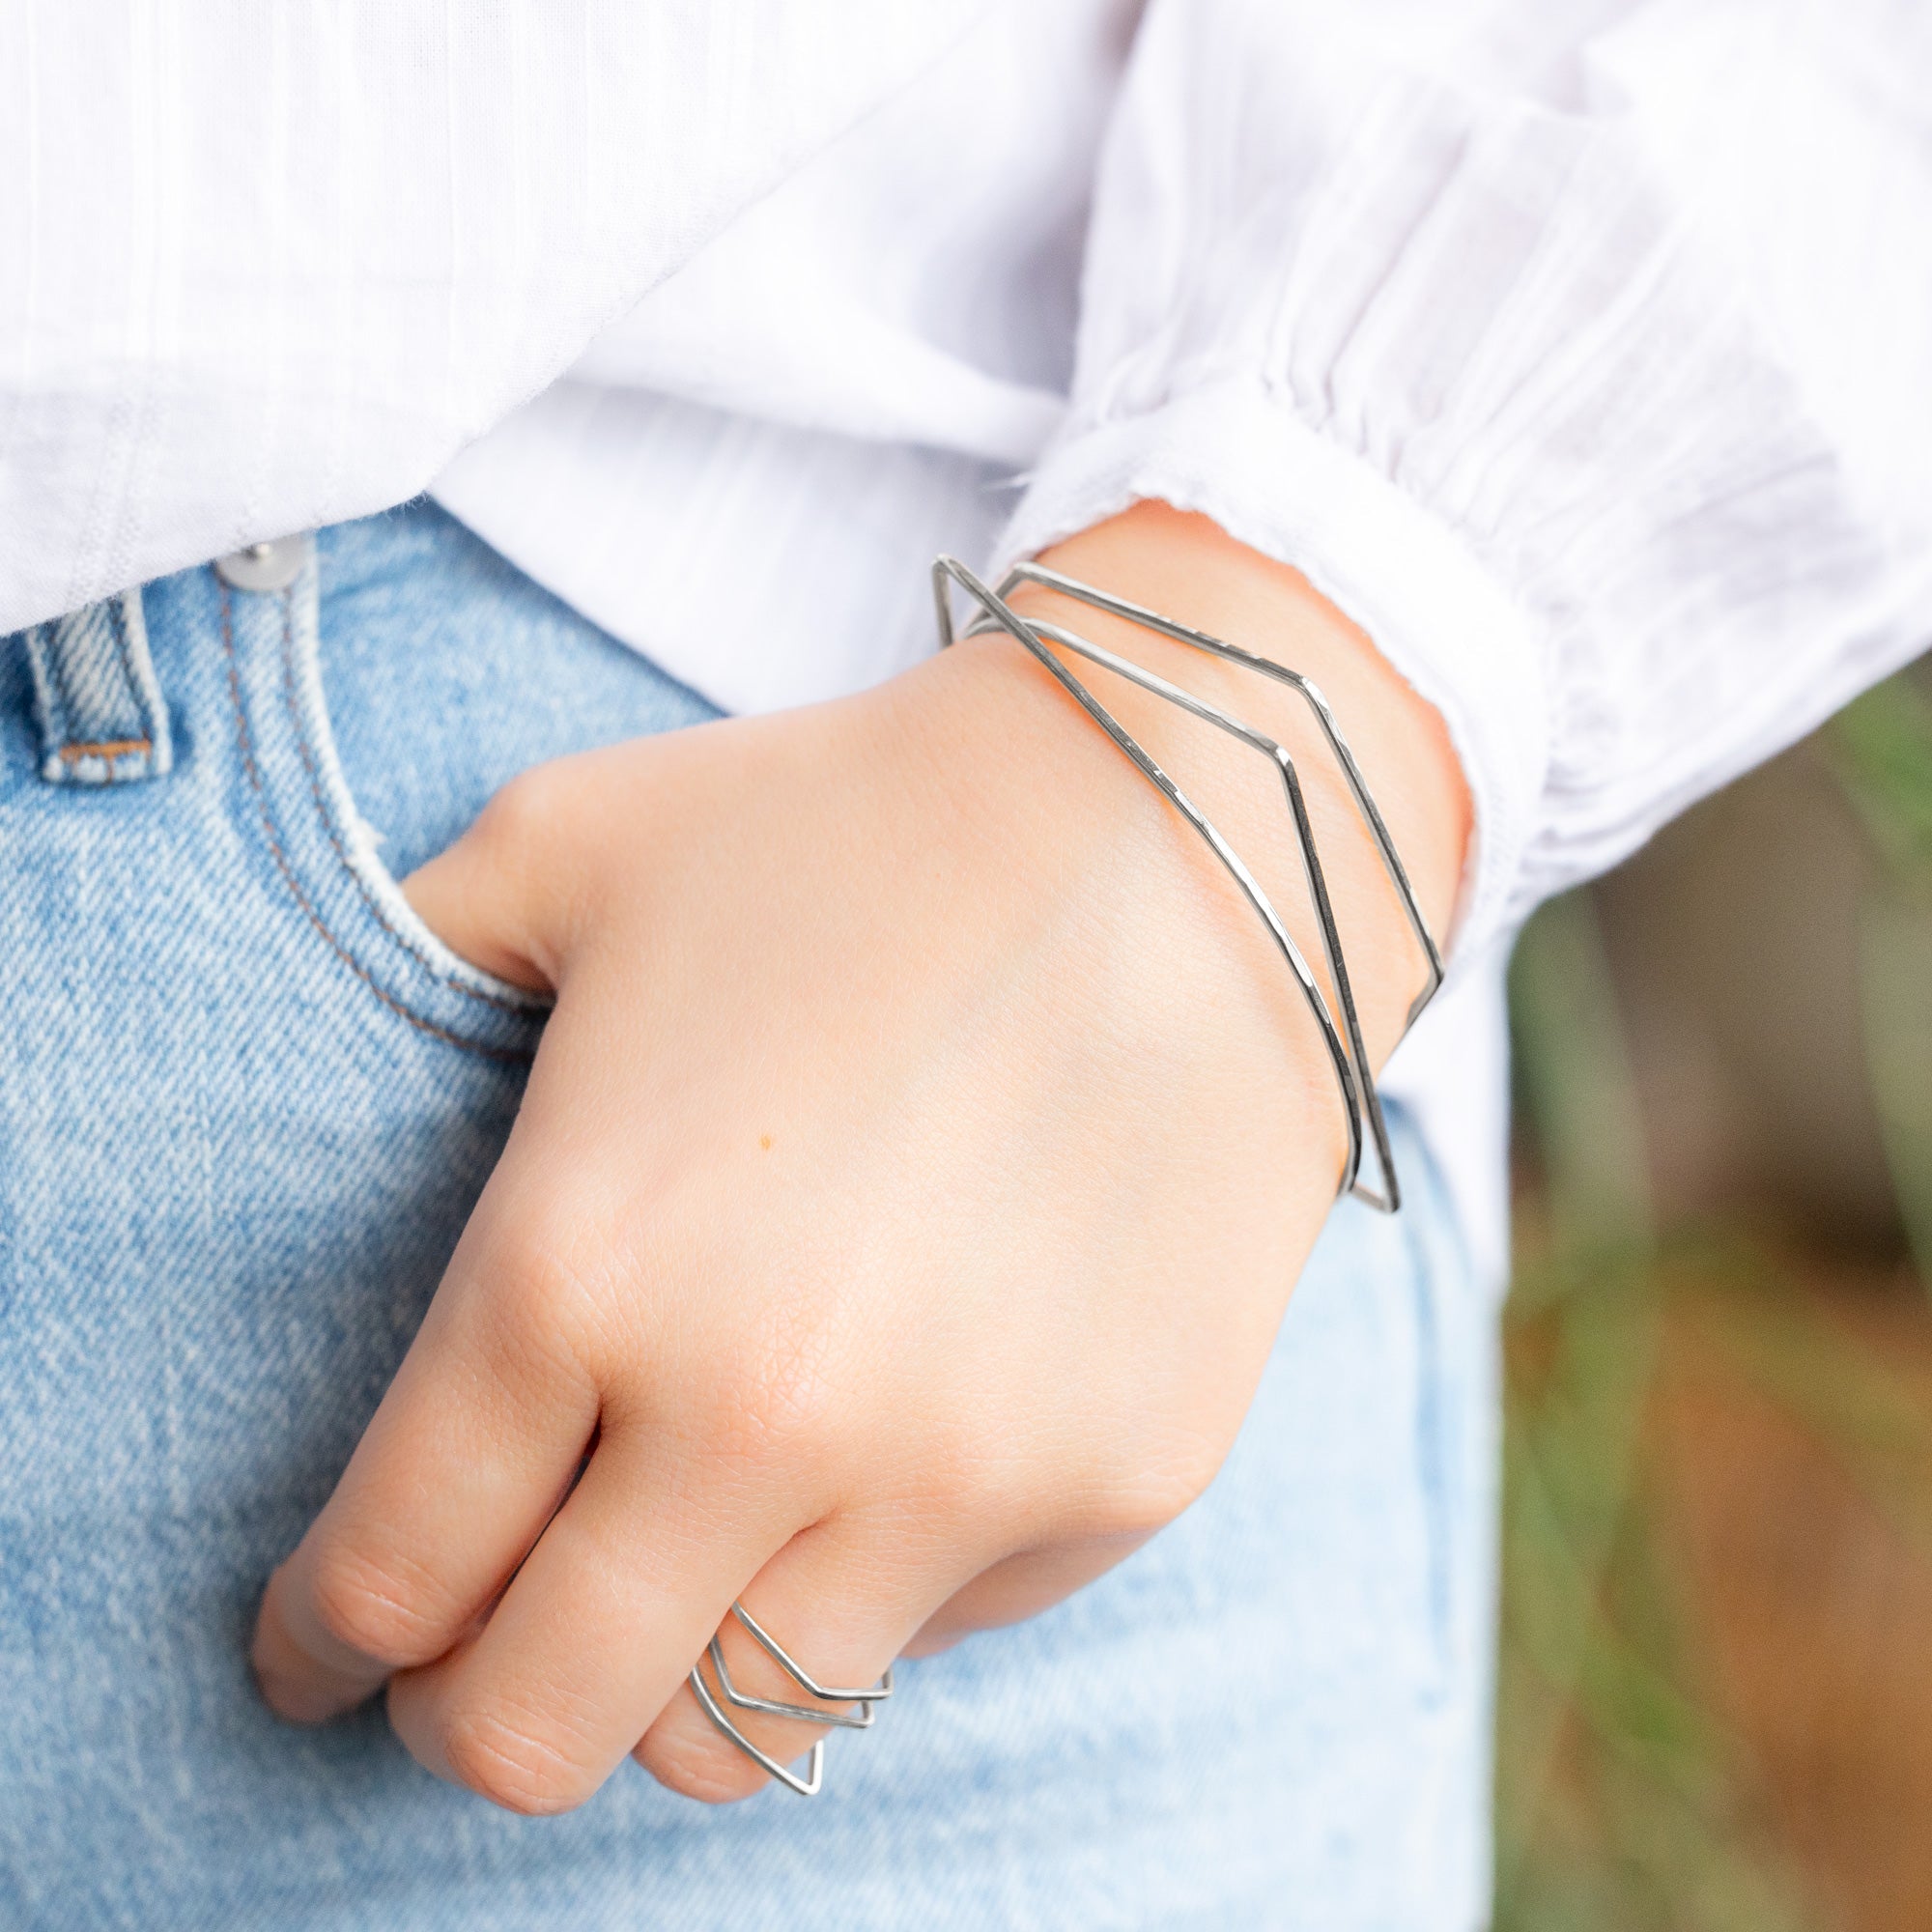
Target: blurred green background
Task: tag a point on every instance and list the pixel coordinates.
(1714, 1700)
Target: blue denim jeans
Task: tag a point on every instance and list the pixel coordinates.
(246, 1104)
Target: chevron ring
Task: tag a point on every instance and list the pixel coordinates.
(713, 1703)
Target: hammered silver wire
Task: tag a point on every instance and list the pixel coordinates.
(743, 1702)
(1366, 1094)
(809, 1784)
(1027, 634)
(1388, 1200)
(1325, 716)
(873, 1693)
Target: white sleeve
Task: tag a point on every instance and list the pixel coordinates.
(1580, 352)
(265, 267)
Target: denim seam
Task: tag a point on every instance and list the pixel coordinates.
(51, 712)
(109, 749)
(375, 906)
(514, 1055)
(153, 742)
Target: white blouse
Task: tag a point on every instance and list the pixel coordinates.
(1582, 350)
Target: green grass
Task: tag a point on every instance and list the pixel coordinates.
(1625, 1801)
(1621, 1804)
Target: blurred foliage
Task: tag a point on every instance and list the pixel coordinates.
(1895, 1016)
(1618, 1805)
(1880, 747)
(1626, 1800)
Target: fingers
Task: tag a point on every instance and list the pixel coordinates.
(471, 1449)
(841, 1599)
(597, 1630)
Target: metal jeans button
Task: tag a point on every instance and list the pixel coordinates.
(262, 566)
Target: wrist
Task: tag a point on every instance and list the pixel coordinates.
(1037, 762)
(1186, 568)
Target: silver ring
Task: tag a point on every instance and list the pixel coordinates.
(809, 1784)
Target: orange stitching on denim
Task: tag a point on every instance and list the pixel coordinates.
(287, 871)
(369, 899)
(111, 748)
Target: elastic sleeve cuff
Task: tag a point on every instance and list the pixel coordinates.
(1235, 452)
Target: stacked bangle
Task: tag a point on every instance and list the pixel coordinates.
(1347, 1055)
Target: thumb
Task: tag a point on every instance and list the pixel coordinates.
(499, 896)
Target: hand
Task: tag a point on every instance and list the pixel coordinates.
(909, 1186)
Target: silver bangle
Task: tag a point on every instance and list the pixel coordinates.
(1355, 1078)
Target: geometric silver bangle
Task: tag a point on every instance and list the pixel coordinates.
(1358, 789)
(1004, 617)
(1354, 1077)
(1358, 786)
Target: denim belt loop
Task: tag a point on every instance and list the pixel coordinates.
(101, 718)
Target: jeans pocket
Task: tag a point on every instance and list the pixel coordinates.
(292, 785)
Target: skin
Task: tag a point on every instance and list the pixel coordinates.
(909, 1187)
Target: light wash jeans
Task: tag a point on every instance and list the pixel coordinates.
(246, 1104)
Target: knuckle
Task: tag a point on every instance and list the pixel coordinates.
(384, 1612)
(522, 815)
(512, 1767)
(557, 1307)
(778, 1394)
(972, 1472)
(1140, 1501)
(1159, 1497)
(773, 1407)
(551, 1300)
